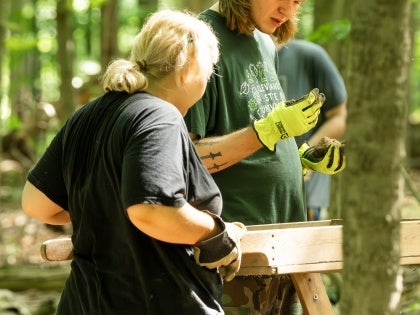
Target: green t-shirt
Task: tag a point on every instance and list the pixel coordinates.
(266, 187)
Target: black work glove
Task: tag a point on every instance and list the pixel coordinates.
(223, 249)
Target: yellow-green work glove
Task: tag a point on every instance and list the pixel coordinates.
(326, 157)
(289, 119)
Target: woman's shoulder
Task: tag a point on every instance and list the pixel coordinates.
(143, 105)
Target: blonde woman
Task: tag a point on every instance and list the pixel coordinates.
(147, 234)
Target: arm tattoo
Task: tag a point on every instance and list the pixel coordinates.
(216, 166)
(203, 143)
(211, 155)
(207, 143)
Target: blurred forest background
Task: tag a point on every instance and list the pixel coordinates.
(53, 52)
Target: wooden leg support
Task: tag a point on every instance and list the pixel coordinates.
(312, 293)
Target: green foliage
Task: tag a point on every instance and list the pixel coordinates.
(46, 28)
(22, 42)
(330, 32)
(50, 80)
(13, 123)
(97, 3)
(21, 38)
(414, 307)
(415, 115)
(87, 28)
(306, 19)
(133, 18)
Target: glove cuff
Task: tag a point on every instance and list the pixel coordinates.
(303, 147)
(264, 135)
(217, 247)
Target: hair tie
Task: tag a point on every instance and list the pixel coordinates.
(142, 65)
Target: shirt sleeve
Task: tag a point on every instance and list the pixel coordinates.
(47, 174)
(155, 166)
(328, 79)
(201, 118)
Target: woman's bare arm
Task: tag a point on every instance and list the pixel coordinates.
(37, 205)
(183, 225)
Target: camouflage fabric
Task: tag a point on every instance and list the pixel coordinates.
(261, 296)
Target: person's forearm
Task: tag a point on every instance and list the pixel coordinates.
(184, 225)
(218, 153)
(333, 128)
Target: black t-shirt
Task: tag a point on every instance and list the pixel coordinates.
(114, 152)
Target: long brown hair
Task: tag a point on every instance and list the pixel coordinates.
(237, 13)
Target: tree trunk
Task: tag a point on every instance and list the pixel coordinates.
(4, 14)
(109, 32)
(65, 58)
(25, 89)
(20, 142)
(20, 91)
(191, 5)
(379, 56)
(326, 11)
(148, 5)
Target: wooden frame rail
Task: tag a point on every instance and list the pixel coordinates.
(304, 250)
(315, 246)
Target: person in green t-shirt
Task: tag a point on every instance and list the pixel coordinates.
(244, 132)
